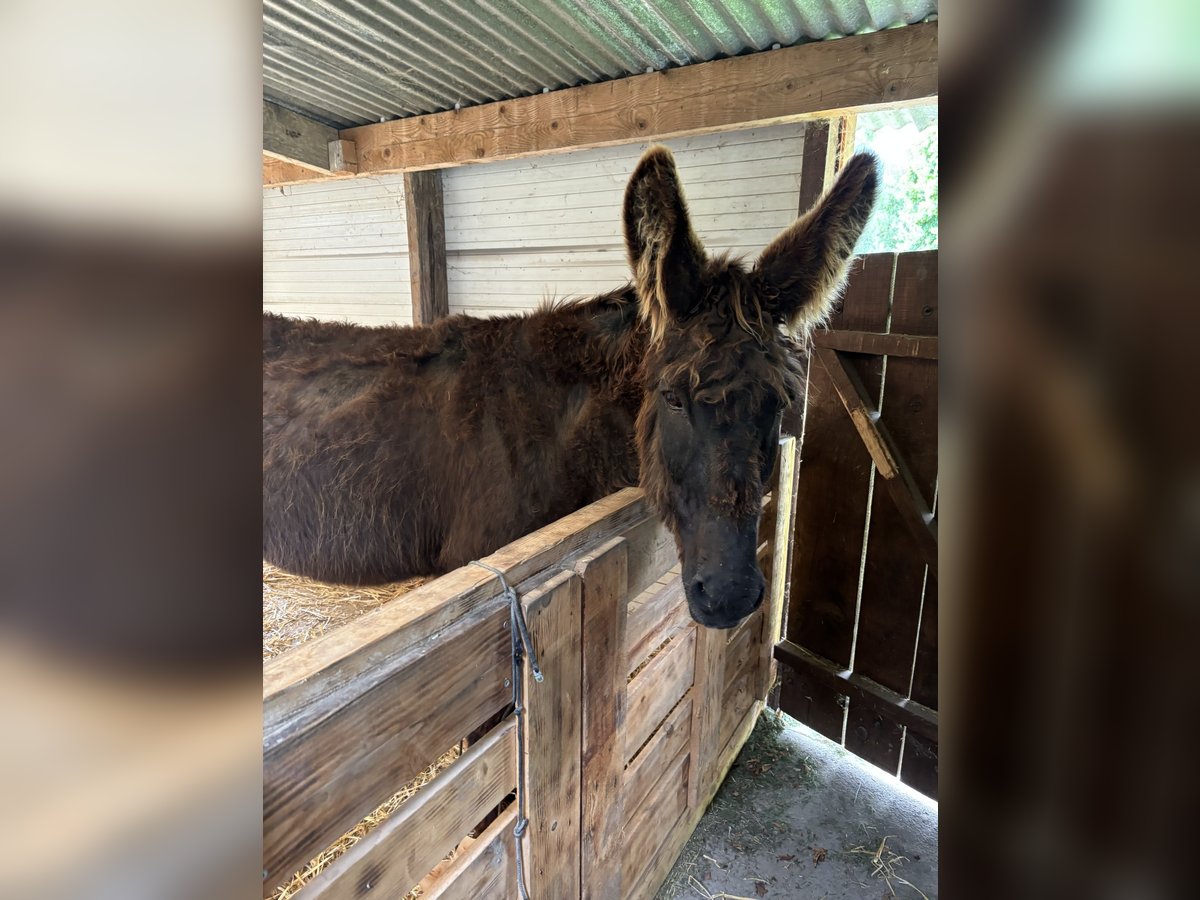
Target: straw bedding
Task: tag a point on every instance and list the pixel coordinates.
(297, 609)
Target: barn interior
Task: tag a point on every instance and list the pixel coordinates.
(470, 159)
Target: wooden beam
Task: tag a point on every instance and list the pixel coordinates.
(891, 705)
(817, 80)
(296, 139)
(343, 157)
(278, 172)
(891, 466)
(426, 246)
(912, 346)
(813, 174)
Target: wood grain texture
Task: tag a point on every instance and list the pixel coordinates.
(657, 688)
(783, 495)
(651, 826)
(706, 711)
(279, 171)
(296, 139)
(654, 617)
(343, 157)
(426, 221)
(487, 869)
(670, 742)
(553, 739)
(914, 346)
(605, 577)
(321, 781)
(885, 68)
(408, 844)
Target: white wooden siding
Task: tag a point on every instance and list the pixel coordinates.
(523, 230)
(338, 250)
(517, 232)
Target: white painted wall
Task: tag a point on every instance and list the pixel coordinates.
(526, 229)
(517, 232)
(338, 250)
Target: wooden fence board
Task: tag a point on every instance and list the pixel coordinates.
(323, 781)
(657, 614)
(831, 499)
(706, 712)
(651, 826)
(487, 869)
(605, 576)
(672, 740)
(657, 688)
(408, 844)
(553, 739)
(894, 579)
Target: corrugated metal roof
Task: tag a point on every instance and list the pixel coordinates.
(350, 62)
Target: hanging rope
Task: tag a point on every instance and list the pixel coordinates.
(522, 646)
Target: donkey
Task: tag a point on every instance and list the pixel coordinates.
(391, 452)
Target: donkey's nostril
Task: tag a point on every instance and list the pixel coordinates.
(698, 587)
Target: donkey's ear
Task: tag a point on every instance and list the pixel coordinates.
(804, 268)
(666, 256)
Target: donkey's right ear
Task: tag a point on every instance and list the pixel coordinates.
(666, 256)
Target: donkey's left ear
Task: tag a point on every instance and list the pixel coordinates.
(665, 255)
(804, 268)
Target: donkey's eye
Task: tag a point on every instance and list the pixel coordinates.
(673, 400)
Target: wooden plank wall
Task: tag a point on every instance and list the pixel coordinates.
(338, 250)
(523, 230)
(861, 595)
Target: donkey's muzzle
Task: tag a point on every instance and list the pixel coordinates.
(723, 598)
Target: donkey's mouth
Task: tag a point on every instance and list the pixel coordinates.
(723, 610)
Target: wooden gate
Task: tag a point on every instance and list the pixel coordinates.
(860, 647)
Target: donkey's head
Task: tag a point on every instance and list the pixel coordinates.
(722, 366)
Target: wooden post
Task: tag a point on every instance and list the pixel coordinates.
(426, 246)
(296, 139)
(552, 743)
(605, 575)
(709, 686)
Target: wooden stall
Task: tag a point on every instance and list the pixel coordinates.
(630, 734)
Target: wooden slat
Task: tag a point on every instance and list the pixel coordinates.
(813, 180)
(920, 767)
(487, 869)
(708, 692)
(671, 741)
(913, 715)
(894, 577)
(307, 683)
(279, 171)
(885, 68)
(320, 782)
(784, 502)
(831, 504)
(667, 853)
(912, 346)
(553, 740)
(657, 688)
(296, 139)
(651, 826)
(891, 466)
(651, 553)
(659, 615)
(407, 845)
(426, 246)
(605, 576)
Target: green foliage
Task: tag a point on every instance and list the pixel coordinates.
(906, 214)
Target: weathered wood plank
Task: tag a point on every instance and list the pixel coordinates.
(305, 684)
(486, 869)
(784, 497)
(886, 68)
(813, 168)
(671, 741)
(605, 576)
(407, 845)
(911, 346)
(553, 740)
(895, 580)
(831, 506)
(651, 553)
(894, 706)
(426, 221)
(709, 689)
(320, 782)
(657, 688)
(651, 826)
(659, 615)
(296, 139)
(279, 172)
(343, 157)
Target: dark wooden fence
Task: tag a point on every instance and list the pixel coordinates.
(859, 652)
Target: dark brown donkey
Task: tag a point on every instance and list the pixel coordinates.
(390, 452)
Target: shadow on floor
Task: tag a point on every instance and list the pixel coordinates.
(799, 817)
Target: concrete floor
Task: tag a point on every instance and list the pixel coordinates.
(799, 817)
